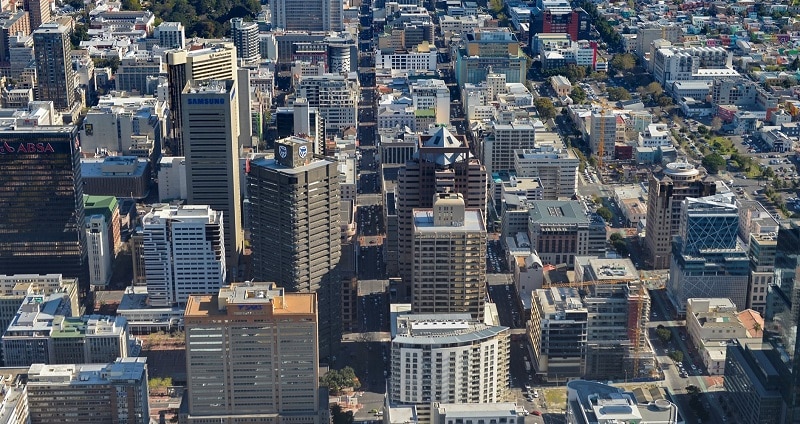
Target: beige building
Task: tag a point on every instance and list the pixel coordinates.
(561, 85)
(210, 132)
(712, 323)
(667, 191)
(449, 249)
(556, 168)
(268, 339)
(443, 163)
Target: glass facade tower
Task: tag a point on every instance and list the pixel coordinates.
(41, 202)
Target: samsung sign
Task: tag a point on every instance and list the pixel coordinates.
(206, 101)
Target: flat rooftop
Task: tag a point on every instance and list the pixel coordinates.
(557, 212)
(271, 163)
(230, 297)
(423, 222)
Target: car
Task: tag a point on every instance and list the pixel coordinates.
(535, 394)
(537, 413)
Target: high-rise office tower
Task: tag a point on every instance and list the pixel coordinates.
(215, 62)
(12, 23)
(245, 38)
(41, 203)
(708, 260)
(268, 342)
(210, 132)
(55, 76)
(113, 393)
(449, 272)
(39, 11)
(678, 181)
(442, 163)
(295, 230)
(311, 15)
(184, 253)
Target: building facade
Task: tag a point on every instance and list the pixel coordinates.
(449, 258)
(55, 76)
(667, 190)
(113, 393)
(245, 38)
(316, 15)
(448, 358)
(503, 139)
(556, 168)
(211, 132)
(295, 228)
(269, 340)
(41, 168)
(442, 162)
(184, 253)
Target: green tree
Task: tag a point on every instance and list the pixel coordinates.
(664, 101)
(545, 107)
(676, 355)
(654, 88)
(131, 5)
(578, 94)
(336, 380)
(79, 34)
(713, 163)
(618, 93)
(664, 334)
(606, 214)
(623, 62)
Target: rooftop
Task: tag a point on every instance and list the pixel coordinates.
(123, 370)
(593, 402)
(441, 329)
(199, 214)
(114, 166)
(557, 212)
(251, 296)
(423, 222)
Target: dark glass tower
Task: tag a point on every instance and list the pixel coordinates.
(41, 202)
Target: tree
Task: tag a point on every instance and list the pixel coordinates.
(605, 213)
(545, 107)
(664, 101)
(623, 62)
(713, 163)
(618, 93)
(676, 355)
(654, 88)
(578, 94)
(338, 380)
(664, 334)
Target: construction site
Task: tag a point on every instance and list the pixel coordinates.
(594, 329)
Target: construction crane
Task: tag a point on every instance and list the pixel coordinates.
(635, 323)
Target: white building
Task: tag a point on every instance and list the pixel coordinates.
(592, 402)
(432, 94)
(672, 64)
(421, 58)
(556, 168)
(125, 125)
(170, 35)
(245, 38)
(171, 178)
(504, 412)
(503, 140)
(348, 176)
(184, 253)
(655, 135)
(99, 252)
(335, 96)
(447, 358)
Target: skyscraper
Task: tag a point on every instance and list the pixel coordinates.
(245, 38)
(449, 272)
(268, 340)
(184, 253)
(39, 11)
(170, 35)
(55, 76)
(678, 181)
(443, 162)
(215, 62)
(295, 229)
(311, 15)
(41, 202)
(707, 258)
(210, 132)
